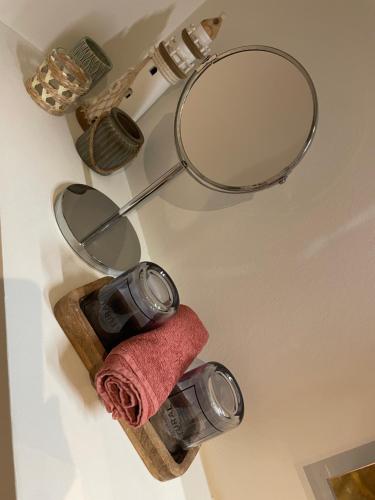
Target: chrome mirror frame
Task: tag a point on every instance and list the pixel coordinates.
(279, 178)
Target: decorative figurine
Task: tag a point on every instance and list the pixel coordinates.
(167, 64)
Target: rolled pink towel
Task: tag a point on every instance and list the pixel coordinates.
(138, 375)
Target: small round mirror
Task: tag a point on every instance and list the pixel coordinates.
(245, 119)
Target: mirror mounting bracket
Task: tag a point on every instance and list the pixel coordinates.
(207, 61)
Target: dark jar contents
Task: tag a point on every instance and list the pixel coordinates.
(138, 300)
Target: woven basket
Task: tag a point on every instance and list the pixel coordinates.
(111, 142)
(91, 58)
(57, 83)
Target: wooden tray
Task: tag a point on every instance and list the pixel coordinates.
(159, 461)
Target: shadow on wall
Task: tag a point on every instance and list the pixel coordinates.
(29, 58)
(7, 477)
(125, 48)
(183, 191)
(159, 153)
(70, 364)
(40, 435)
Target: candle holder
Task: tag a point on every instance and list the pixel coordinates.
(91, 58)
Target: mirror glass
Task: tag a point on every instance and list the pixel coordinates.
(247, 117)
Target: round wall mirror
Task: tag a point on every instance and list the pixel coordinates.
(244, 120)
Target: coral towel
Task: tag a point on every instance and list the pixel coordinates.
(138, 375)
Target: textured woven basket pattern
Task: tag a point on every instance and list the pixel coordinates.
(90, 57)
(57, 83)
(105, 148)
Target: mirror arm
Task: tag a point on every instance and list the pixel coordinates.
(169, 174)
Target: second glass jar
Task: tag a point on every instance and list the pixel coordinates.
(206, 402)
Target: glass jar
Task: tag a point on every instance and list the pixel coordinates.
(138, 300)
(206, 402)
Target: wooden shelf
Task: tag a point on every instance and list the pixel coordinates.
(159, 461)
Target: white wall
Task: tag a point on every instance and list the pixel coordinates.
(65, 445)
(284, 281)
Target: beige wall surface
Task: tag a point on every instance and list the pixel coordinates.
(123, 27)
(284, 281)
